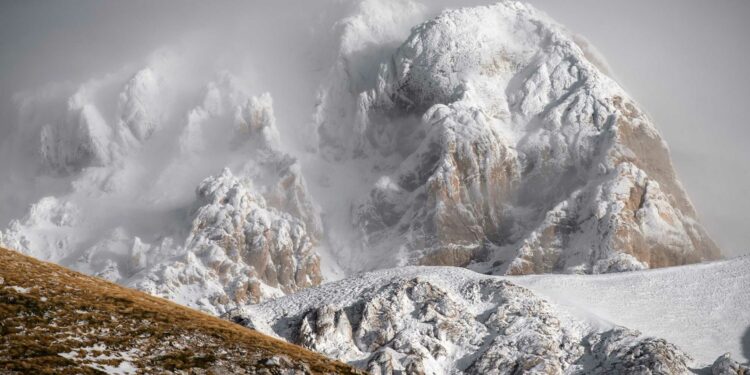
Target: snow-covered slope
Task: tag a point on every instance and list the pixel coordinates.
(449, 320)
(704, 308)
(487, 137)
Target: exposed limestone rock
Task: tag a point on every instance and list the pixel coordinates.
(240, 250)
(488, 138)
(441, 321)
(253, 235)
(621, 351)
(248, 236)
(725, 365)
(273, 244)
(503, 148)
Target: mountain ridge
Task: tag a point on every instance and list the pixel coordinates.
(454, 320)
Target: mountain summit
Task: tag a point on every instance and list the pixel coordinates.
(502, 146)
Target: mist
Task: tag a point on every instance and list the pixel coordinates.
(684, 61)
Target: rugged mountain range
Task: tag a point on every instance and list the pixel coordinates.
(489, 138)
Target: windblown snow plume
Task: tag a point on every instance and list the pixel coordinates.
(233, 238)
(487, 137)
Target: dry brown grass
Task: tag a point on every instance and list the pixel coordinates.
(62, 311)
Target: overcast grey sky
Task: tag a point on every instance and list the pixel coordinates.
(685, 61)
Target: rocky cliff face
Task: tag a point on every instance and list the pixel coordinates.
(252, 235)
(503, 147)
(488, 138)
(441, 321)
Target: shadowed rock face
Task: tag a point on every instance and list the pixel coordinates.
(513, 154)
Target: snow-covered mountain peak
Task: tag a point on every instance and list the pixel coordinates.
(505, 146)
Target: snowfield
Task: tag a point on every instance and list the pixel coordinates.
(704, 310)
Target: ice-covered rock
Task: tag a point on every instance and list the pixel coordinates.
(508, 150)
(449, 321)
(138, 105)
(622, 351)
(365, 37)
(44, 229)
(79, 139)
(253, 234)
(725, 365)
(71, 128)
(240, 250)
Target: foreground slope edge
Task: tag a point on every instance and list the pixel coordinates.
(54, 320)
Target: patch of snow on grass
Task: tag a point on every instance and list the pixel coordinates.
(125, 367)
(19, 289)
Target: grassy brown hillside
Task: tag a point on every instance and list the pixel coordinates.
(56, 321)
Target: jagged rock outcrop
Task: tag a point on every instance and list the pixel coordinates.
(138, 107)
(503, 147)
(246, 234)
(488, 138)
(621, 351)
(81, 135)
(448, 320)
(79, 140)
(725, 365)
(240, 250)
(254, 234)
